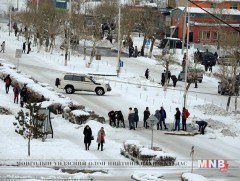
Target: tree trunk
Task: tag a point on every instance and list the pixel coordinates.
(29, 146)
(151, 48)
(228, 102)
(235, 104)
(92, 55)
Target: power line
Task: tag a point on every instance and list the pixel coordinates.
(215, 16)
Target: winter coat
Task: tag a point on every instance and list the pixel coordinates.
(163, 114)
(146, 115)
(157, 115)
(178, 115)
(119, 116)
(99, 136)
(16, 90)
(111, 115)
(3, 46)
(174, 78)
(136, 118)
(185, 113)
(131, 116)
(87, 135)
(8, 80)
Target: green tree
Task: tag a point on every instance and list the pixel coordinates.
(30, 123)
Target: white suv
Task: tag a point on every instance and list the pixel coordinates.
(81, 82)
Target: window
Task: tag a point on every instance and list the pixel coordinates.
(68, 77)
(205, 35)
(233, 6)
(78, 78)
(213, 5)
(215, 35)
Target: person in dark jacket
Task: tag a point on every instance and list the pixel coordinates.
(120, 118)
(174, 79)
(177, 119)
(112, 118)
(24, 47)
(101, 138)
(16, 91)
(158, 116)
(29, 47)
(8, 82)
(136, 117)
(131, 115)
(147, 73)
(87, 137)
(142, 51)
(23, 95)
(163, 117)
(131, 50)
(202, 125)
(146, 115)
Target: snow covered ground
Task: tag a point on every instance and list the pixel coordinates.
(131, 88)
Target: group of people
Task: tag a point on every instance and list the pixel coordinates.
(16, 90)
(88, 137)
(165, 76)
(133, 52)
(116, 116)
(185, 114)
(28, 46)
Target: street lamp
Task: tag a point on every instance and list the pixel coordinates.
(187, 60)
(10, 18)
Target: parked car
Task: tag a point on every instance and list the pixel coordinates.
(81, 82)
(205, 58)
(192, 75)
(226, 87)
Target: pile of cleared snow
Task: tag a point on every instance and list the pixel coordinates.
(193, 177)
(211, 109)
(147, 176)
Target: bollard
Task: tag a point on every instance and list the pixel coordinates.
(146, 98)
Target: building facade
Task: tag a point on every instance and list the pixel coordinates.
(205, 28)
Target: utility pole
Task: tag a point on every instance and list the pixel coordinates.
(119, 43)
(68, 34)
(184, 27)
(187, 60)
(10, 18)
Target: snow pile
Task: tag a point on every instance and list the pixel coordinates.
(211, 109)
(193, 177)
(147, 176)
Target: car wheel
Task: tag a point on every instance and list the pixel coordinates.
(100, 91)
(69, 89)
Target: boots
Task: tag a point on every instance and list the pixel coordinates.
(85, 146)
(98, 146)
(101, 147)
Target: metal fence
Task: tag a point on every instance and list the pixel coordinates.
(45, 179)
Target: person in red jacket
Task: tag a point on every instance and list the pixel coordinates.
(185, 115)
(8, 82)
(101, 138)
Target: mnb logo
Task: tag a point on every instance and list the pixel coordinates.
(221, 164)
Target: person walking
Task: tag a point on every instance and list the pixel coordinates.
(87, 137)
(158, 116)
(24, 47)
(202, 125)
(163, 117)
(174, 79)
(142, 51)
(8, 82)
(136, 117)
(185, 115)
(23, 95)
(101, 138)
(3, 47)
(146, 115)
(177, 120)
(163, 77)
(147, 73)
(131, 115)
(16, 91)
(29, 47)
